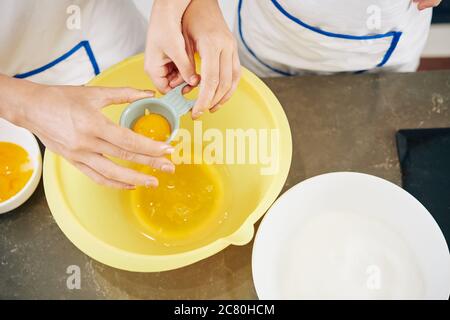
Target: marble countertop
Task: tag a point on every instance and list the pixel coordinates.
(338, 123)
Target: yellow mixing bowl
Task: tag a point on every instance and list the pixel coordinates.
(98, 219)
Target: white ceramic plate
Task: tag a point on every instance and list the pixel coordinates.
(24, 138)
(349, 236)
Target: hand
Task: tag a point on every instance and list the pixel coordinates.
(172, 42)
(424, 4)
(166, 59)
(68, 120)
(206, 32)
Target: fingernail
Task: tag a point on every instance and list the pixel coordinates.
(197, 114)
(151, 183)
(150, 92)
(130, 187)
(170, 168)
(168, 149)
(193, 80)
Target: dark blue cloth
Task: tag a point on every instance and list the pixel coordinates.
(424, 156)
(441, 14)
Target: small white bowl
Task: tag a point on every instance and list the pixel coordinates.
(349, 235)
(24, 138)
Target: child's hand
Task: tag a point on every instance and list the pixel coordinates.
(207, 33)
(424, 4)
(166, 60)
(175, 34)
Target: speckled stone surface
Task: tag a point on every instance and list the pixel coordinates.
(338, 123)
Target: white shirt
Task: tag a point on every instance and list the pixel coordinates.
(279, 37)
(36, 33)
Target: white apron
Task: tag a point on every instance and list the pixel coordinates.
(67, 41)
(290, 37)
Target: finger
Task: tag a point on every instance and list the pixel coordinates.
(190, 49)
(175, 81)
(215, 108)
(126, 139)
(186, 89)
(121, 95)
(226, 76)
(113, 171)
(158, 73)
(160, 163)
(210, 74)
(100, 179)
(173, 76)
(235, 82)
(180, 58)
(95, 176)
(179, 79)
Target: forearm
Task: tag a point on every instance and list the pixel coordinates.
(15, 95)
(205, 5)
(171, 8)
(207, 11)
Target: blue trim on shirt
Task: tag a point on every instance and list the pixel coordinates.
(387, 56)
(250, 50)
(83, 44)
(394, 34)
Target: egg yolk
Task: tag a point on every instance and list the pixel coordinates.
(15, 169)
(153, 126)
(184, 207)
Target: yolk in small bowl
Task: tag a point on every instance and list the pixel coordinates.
(15, 169)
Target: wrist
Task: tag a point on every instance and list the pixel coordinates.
(173, 9)
(15, 97)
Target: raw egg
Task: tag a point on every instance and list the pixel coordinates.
(15, 169)
(153, 126)
(184, 207)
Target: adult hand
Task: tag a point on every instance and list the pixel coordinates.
(68, 120)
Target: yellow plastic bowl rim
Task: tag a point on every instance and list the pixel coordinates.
(122, 259)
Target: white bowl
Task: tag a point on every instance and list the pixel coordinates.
(349, 236)
(24, 138)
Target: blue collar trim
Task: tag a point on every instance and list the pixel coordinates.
(394, 34)
(83, 44)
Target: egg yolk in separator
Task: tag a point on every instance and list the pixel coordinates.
(153, 126)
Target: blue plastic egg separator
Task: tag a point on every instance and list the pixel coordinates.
(172, 106)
